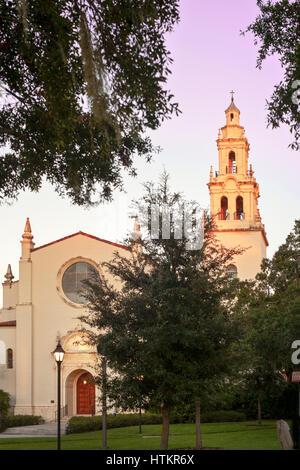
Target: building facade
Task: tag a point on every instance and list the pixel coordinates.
(40, 308)
(44, 305)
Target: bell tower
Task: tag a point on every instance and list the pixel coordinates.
(234, 195)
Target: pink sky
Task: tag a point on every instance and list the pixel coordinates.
(211, 58)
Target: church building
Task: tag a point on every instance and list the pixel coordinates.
(44, 305)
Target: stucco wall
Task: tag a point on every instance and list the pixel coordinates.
(54, 315)
(248, 264)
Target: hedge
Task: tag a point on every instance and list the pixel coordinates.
(3, 423)
(78, 424)
(4, 403)
(23, 420)
(11, 421)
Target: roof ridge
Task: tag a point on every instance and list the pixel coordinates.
(80, 233)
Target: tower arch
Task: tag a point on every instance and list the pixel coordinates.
(239, 213)
(224, 208)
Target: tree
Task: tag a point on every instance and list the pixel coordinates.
(82, 81)
(165, 330)
(270, 311)
(277, 29)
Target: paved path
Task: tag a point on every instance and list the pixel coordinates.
(38, 430)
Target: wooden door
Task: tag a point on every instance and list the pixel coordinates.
(86, 394)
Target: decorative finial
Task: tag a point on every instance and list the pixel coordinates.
(136, 229)
(27, 230)
(232, 93)
(137, 226)
(9, 276)
(136, 236)
(27, 243)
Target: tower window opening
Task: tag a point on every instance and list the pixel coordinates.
(231, 117)
(232, 163)
(239, 208)
(224, 208)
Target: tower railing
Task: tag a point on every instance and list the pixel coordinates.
(231, 169)
(223, 216)
(239, 215)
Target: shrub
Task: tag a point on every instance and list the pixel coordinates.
(23, 420)
(223, 416)
(78, 424)
(3, 423)
(296, 432)
(4, 403)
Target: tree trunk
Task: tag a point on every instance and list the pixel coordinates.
(165, 426)
(198, 428)
(259, 411)
(104, 410)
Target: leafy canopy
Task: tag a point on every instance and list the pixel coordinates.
(269, 309)
(276, 29)
(81, 82)
(164, 328)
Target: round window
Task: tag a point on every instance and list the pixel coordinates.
(72, 281)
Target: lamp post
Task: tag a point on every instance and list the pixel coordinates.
(59, 357)
(140, 378)
(104, 410)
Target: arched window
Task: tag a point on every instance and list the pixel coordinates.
(224, 208)
(9, 358)
(232, 271)
(239, 208)
(231, 117)
(231, 163)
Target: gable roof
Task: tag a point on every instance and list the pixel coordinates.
(80, 233)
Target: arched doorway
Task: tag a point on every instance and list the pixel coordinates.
(85, 391)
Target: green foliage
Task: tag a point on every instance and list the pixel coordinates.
(23, 420)
(11, 421)
(166, 332)
(78, 424)
(276, 29)
(4, 403)
(3, 423)
(81, 83)
(269, 315)
(223, 436)
(223, 416)
(277, 402)
(295, 431)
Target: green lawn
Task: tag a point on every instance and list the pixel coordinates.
(227, 436)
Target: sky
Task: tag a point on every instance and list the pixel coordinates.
(211, 58)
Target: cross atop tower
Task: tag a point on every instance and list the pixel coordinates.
(232, 93)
